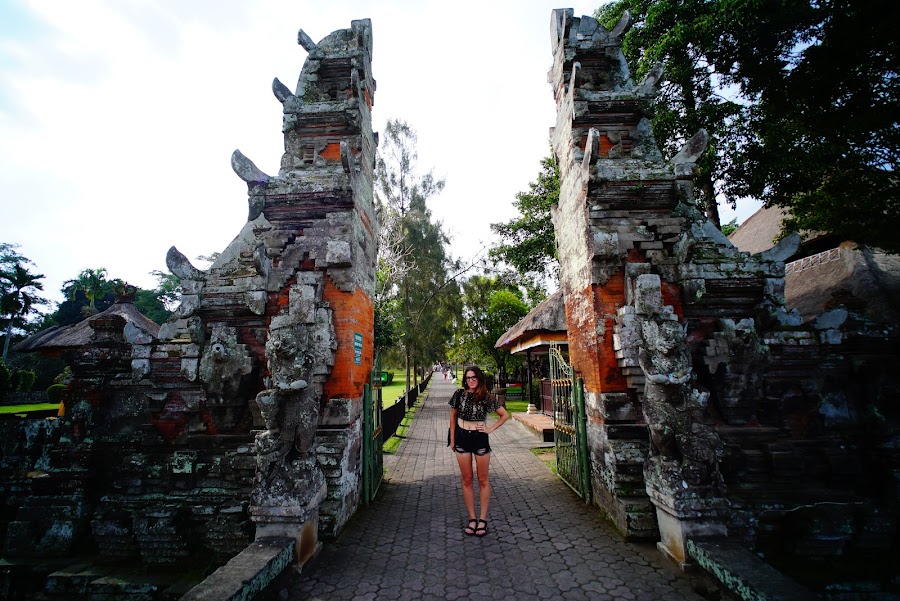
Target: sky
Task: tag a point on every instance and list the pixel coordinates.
(118, 117)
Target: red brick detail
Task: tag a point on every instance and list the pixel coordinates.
(671, 295)
(331, 152)
(366, 222)
(172, 421)
(605, 145)
(609, 299)
(207, 419)
(591, 347)
(353, 313)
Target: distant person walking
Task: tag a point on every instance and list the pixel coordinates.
(468, 436)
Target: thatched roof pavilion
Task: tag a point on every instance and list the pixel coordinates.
(828, 272)
(56, 339)
(544, 325)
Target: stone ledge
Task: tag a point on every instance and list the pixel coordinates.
(247, 573)
(745, 574)
(538, 423)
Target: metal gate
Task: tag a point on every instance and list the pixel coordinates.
(373, 435)
(569, 427)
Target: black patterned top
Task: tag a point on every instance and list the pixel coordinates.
(469, 409)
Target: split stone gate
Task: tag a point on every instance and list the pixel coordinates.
(242, 416)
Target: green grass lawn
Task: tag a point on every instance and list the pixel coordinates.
(23, 409)
(517, 406)
(391, 444)
(391, 393)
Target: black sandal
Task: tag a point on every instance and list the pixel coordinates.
(479, 529)
(470, 529)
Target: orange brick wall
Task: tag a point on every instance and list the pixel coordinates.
(353, 313)
(592, 353)
(591, 348)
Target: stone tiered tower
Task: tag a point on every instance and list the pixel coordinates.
(304, 263)
(631, 290)
(243, 412)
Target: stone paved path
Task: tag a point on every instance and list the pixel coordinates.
(543, 542)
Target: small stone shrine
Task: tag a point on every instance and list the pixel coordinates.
(241, 416)
(713, 412)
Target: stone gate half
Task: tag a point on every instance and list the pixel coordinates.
(713, 411)
(243, 413)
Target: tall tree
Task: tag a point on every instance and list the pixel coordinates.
(93, 284)
(678, 34)
(801, 113)
(19, 289)
(491, 306)
(528, 241)
(412, 259)
(828, 120)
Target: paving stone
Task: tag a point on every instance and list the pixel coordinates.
(542, 541)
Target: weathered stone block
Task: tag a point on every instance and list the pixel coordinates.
(648, 294)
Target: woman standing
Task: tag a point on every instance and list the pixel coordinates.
(469, 436)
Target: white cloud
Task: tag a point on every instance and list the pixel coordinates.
(118, 119)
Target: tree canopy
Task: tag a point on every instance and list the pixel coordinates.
(528, 242)
(800, 98)
(415, 299)
(19, 289)
(490, 306)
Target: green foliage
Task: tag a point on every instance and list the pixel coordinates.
(18, 290)
(801, 114)
(22, 380)
(55, 392)
(93, 284)
(5, 377)
(829, 132)
(15, 380)
(385, 326)
(729, 227)
(415, 297)
(168, 290)
(490, 307)
(93, 291)
(149, 303)
(678, 34)
(528, 242)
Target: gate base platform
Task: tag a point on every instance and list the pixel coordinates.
(540, 424)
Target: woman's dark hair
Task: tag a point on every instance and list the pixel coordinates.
(480, 393)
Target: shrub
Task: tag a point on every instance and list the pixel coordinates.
(55, 392)
(15, 380)
(26, 379)
(5, 376)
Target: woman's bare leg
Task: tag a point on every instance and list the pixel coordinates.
(483, 463)
(468, 489)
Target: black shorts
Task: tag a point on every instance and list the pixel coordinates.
(471, 441)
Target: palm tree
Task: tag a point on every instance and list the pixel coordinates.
(93, 283)
(18, 287)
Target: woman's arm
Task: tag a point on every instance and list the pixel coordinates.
(503, 414)
(452, 427)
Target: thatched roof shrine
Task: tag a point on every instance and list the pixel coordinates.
(55, 339)
(828, 273)
(545, 324)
